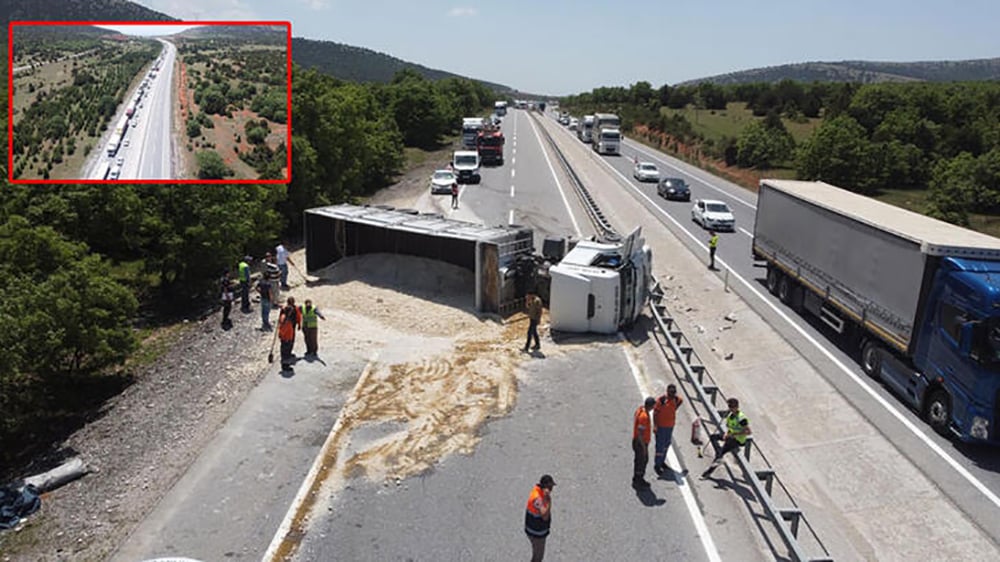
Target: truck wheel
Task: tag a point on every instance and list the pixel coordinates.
(871, 359)
(785, 289)
(773, 277)
(937, 411)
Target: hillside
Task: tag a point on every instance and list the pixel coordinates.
(82, 10)
(865, 72)
(360, 64)
(274, 34)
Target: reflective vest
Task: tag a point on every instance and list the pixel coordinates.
(736, 423)
(287, 321)
(665, 411)
(713, 241)
(641, 428)
(534, 524)
(244, 272)
(309, 317)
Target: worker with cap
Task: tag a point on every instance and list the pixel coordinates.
(538, 516)
(664, 418)
(641, 434)
(244, 279)
(713, 244)
(737, 431)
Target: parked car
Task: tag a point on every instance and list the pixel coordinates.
(712, 214)
(646, 171)
(442, 180)
(674, 188)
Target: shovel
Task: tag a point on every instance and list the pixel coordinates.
(270, 356)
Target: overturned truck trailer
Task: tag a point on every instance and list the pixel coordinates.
(490, 252)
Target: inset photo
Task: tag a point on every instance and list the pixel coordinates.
(150, 102)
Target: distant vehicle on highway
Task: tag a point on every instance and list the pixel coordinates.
(606, 140)
(120, 161)
(115, 173)
(585, 130)
(646, 171)
(125, 143)
(574, 123)
(674, 189)
(466, 164)
(713, 214)
(442, 180)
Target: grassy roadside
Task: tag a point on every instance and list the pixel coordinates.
(730, 122)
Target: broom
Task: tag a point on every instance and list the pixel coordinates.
(270, 356)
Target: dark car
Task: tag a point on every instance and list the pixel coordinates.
(674, 188)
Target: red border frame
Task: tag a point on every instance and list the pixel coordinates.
(10, 103)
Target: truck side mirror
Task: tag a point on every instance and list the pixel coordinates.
(966, 335)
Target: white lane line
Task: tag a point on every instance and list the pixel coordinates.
(512, 170)
(747, 232)
(645, 389)
(510, 217)
(636, 148)
(511, 190)
(576, 227)
(961, 470)
(512, 160)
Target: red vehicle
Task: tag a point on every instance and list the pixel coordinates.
(489, 143)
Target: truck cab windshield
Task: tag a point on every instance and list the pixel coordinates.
(465, 161)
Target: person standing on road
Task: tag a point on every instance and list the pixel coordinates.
(641, 433)
(737, 431)
(454, 195)
(289, 319)
(310, 327)
(533, 308)
(273, 274)
(664, 417)
(538, 516)
(244, 276)
(265, 289)
(284, 258)
(226, 286)
(713, 243)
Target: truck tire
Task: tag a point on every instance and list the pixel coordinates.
(871, 359)
(773, 278)
(785, 288)
(937, 411)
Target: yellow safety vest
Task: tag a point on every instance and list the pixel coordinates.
(244, 272)
(735, 423)
(309, 317)
(713, 241)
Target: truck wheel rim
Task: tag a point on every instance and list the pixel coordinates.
(871, 360)
(937, 412)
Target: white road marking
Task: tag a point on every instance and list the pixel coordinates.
(512, 170)
(961, 470)
(645, 389)
(512, 160)
(510, 217)
(511, 190)
(686, 173)
(576, 227)
(307, 483)
(745, 231)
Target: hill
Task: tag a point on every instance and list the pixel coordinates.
(264, 34)
(865, 72)
(362, 65)
(82, 10)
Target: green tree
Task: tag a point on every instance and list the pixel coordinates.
(953, 189)
(760, 146)
(211, 166)
(839, 152)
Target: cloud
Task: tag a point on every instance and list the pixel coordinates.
(462, 11)
(316, 5)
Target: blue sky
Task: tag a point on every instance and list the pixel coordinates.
(564, 46)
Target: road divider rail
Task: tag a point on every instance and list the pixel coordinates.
(787, 520)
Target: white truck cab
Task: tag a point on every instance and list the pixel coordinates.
(466, 166)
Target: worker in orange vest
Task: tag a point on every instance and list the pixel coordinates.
(664, 418)
(538, 516)
(641, 434)
(288, 320)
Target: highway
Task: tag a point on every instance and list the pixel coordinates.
(968, 475)
(147, 147)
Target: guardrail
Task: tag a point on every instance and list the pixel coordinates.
(787, 520)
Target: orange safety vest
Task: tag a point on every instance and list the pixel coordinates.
(641, 428)
(286, 325)
(665, 415)
(534, 524)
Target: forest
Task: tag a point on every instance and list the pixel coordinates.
(87, 270)
(940, 141)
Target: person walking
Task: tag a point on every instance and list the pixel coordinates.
(737, 431)
(310, 327)
(226, 288)
(664, 418)
(641, 433)
(244, 277)
(533, 308)
(283, 259)
(713, 243)
(289, 319)
(538, 516)
(265, 289)
(454, 195)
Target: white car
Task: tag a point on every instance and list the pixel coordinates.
(120, 161)
(442, 180)
(646, 171)
(125, 142)
(712, 214)
(574, 123)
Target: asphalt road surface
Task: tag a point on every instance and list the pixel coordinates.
(148, 156)
(969, 475)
